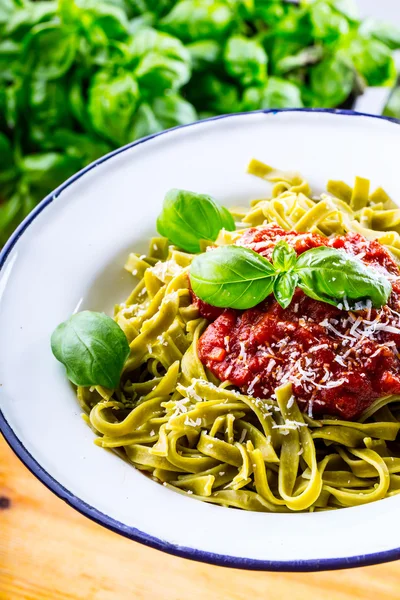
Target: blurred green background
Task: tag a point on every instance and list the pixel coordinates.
(81, 77)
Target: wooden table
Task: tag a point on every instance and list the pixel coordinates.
(50, 552)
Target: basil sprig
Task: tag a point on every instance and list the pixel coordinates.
(187, 218)
(92, 347)
(237, 277)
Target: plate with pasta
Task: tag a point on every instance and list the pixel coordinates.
(224, 300)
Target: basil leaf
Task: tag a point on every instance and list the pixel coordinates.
(392, 108)
(192, 20)
(49, 51)
(284, 288)
(331, 81)
(388, 33)
(228, 222)
(279, 93)
(7, 159)
(327, 25)
(47, 170)
(92, 347)
(204, 53)
(374, 61)
(232, 277)
(213, 94)
(112, 104)
(332, 275)
(348, 8)
(144, 122)
(160, 62)
(188, 217)
(171, 110)
(284, 256)
(246, 60)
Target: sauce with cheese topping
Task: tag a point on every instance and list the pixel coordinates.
(339, 361)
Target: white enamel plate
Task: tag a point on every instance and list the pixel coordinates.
(69, 254)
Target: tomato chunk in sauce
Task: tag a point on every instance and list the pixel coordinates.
(338, 361)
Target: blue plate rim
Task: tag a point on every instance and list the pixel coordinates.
(131, 532)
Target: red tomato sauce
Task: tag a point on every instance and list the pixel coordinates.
(338, 361)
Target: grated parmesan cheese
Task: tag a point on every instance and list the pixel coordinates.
(192, 422)
(250, 389)
(319, 347)
(242, 436)
(293, 425)
(242, 355)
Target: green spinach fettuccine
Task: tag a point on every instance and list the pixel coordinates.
(173, 420)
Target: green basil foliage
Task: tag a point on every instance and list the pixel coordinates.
(79, 78)
(331, 81)
(388, 33)
(392, 108)
(92, 347)
(188, 218)
(237, 277)
(284, 288)
(246, 60)
(232, 276)
(331, 275)
(284, 257)
(193, 20)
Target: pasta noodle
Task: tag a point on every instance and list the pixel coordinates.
(172, 419)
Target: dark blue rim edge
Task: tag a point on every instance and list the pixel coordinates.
(131, 532)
